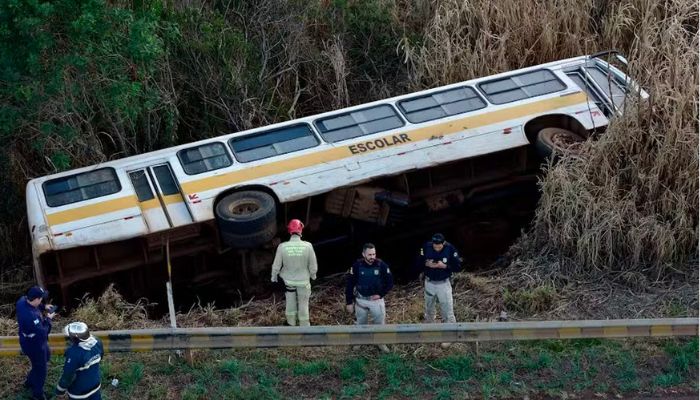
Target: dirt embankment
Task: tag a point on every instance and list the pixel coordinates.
(477, 298)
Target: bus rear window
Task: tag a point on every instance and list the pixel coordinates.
(358, 123)
(441, 104)
(611, 86)
(585, 85)
(523, 86)
(272, 143)
(80, 187)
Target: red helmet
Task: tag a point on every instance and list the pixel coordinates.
(295, 226)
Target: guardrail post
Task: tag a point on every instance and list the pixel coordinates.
(171, 305)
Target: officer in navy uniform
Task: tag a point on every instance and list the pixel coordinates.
(34, 327)
(81, 371)
(368, 281)
(438, 259)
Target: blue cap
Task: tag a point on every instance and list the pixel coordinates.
(36, 292)
(438, 238)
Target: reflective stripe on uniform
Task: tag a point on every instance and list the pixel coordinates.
(84, 396)
(296, 283)
(90, 363)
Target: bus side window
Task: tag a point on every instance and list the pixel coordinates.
(518, 87)
(358, 123)
(272, 143)
(166, 180)
(80, 187)
(141, 186)
(441, 104)
(204, 158)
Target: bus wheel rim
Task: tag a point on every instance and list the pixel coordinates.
(244, 208)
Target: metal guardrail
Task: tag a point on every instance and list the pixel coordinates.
(343, 335)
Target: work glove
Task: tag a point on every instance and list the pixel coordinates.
(313, 277)
(274, 279)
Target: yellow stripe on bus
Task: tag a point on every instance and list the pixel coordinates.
(91, 210)
(172, 199)
(338, 153)
(148, 204)
(308, 160)
(153, 203)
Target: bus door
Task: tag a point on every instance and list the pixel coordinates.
(160, 197)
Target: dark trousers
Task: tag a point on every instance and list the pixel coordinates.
(39, 355)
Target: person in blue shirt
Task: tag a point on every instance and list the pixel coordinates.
(81, 371)
(34, 327)
(368, 281)
(438, 259)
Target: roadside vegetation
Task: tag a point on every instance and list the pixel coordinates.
(615, 234)
(558, 369)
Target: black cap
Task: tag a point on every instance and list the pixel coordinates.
(438, 238)
(36, 292)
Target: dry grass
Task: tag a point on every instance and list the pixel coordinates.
(8, 326)
(468, 39)
(110, 310)
(476, 298)
(628, 207)
(531, 301)
(13, 282)
(629, 203)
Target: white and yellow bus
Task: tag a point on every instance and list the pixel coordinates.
(228, 191)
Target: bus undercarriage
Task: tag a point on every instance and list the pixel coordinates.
(478, 203)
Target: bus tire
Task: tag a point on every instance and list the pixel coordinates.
(554, 142)
(247, 213)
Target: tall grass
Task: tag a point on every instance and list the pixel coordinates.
(468, 39)
(629, 204)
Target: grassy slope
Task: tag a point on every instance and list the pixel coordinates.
(580, 367)
(561, 369)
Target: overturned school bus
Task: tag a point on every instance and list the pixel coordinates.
(374, 162)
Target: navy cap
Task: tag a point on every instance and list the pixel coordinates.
(36, 292)
(438, 238)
